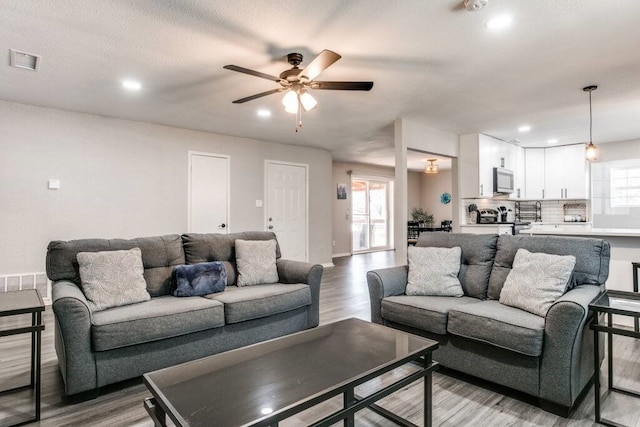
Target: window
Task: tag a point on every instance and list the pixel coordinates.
(625, 187)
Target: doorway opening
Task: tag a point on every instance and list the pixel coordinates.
(371, 219)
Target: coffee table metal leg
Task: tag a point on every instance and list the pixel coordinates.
(36, 360)
(427, 393)
(596, 363)
(155, 412)
(348, 401)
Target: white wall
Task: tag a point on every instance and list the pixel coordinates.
(433, 185)
(125, 179)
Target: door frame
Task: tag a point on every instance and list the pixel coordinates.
(228, 202)
(267, 162)
(363, 176)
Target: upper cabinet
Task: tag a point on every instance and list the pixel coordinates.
(479, 154)
(534, 173)
(566, 172)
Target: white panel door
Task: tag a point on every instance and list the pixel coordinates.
(208, 193)
(286, 210)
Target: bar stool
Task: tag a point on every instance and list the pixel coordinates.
(635, 266)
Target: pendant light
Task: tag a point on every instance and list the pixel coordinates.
(431, 168)
(592, 149)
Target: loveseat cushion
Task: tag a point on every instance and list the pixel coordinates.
(207, 247)
(161, 317)
(159, 254)
(592, 258)
(254, 302)
(500, 325)
(422, 312)
(478, 252)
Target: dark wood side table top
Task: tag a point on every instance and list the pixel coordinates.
(19, 302)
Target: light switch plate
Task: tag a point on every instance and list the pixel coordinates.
(258, 203)
(54, 184)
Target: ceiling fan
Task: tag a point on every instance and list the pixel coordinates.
(296, 82)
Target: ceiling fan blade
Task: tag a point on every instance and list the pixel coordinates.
(341, 85)
(319, 64)
(252, 72)
(258, 95)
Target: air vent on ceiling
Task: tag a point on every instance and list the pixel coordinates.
(24, 60)
(515, 141)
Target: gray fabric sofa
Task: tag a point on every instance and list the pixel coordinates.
(99, 348)
(550, 358)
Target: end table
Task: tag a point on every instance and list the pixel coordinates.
(611, 302)
(24, 302)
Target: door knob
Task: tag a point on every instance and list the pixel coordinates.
(270, 227)
(223, 225)
(270, 219)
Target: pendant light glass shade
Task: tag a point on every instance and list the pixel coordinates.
(591, 151)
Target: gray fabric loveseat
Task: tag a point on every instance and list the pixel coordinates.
(550, 358)
(96, 348)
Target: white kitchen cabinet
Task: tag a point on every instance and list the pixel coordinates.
(518, 166)
(566, 174)
(534, 173)
(479, 154)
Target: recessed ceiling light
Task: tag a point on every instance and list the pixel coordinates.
(524, 128)
(131, 85)
(264, 113)
(552, 141)
(499, 22)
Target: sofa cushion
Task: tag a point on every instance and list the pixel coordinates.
(434, 271)
(256, 262)
(206, 247)
(478, 252)
(201, 279)
(425, 313)
(253, 302)
(112, 278)
(161, 317)
(500, 325)
(592, 258)
(537, 280)
(159, 254)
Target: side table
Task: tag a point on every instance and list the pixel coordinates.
(606, 305)
(24, 302)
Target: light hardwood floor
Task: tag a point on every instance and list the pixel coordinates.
(344, 294)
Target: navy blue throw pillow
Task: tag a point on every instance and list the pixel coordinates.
(199, 279)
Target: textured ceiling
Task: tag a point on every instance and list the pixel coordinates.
(432, 62)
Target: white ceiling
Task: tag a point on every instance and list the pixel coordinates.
(432, 62)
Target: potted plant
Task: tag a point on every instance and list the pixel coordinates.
(425, 219)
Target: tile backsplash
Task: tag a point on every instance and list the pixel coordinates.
(553, 211)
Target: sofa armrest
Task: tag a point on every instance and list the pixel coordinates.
(73, 337)
(290, 271)
(567, 355)
(383, 283)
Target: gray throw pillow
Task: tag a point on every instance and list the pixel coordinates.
(434, 271)
(256, 262)
(537, 280)
(112, 278)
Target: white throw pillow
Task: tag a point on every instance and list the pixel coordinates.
(256, 262)
(434, 271)
(112, 278)
(537, 280)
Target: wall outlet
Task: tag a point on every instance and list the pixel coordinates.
(258, 203)
(53, 184)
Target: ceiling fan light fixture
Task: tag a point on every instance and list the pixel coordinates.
(308, 102)
(431, 168)
(290, 102)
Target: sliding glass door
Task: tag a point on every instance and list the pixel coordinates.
(370, 225)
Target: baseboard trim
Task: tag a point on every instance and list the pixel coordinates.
(328, 264)
(341, 255)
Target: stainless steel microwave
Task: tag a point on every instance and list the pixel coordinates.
(503, 181)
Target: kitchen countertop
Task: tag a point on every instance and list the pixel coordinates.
(586, 231)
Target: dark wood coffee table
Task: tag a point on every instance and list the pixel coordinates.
(265, 383)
